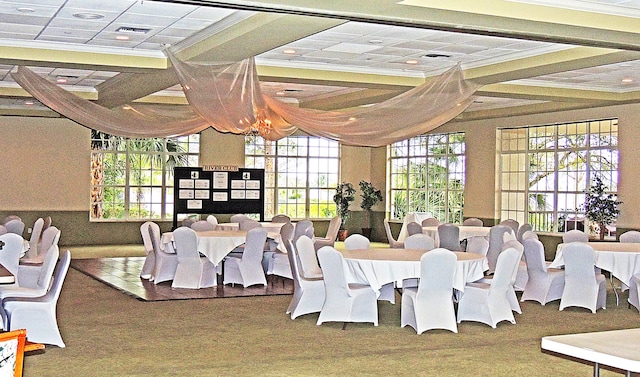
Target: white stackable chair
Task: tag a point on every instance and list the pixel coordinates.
(166, 263)
(430, 305)
(634, 291)
(344, 302)
(449, 237)
(248, 269)
(393, 243)
(42, 281)
(583, 287)
(496, 239)
(630, 236)
(202, 226)
(308, 294)
(420, 241)
(150, 260)
(332, 233)
(544, 284)
(193, 271)
(29, 269)
(357, 241)
(38, 314)
(472, 221)
(489, 303)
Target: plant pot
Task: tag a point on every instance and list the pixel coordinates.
(366, 232)
(342, 234)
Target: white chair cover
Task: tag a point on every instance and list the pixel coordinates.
(166, 263)
(213, 220)
(9, 218)
(489, 303)
(193, 271)
(302, 228)
(30, 269)
(248, 224)
(630, 236)
(3, 230)
(344, 302)
(575, 235)
(496, 239)
(357, 241)
(281, 219)
(188, 221)
(202, 226)
(279, 264)
(37, 286)
(420, 241)
(10, 253)
(248, 269)
(393, 243)
(150, 260)
(431, 221)
(472, 221)
(529, 234)
(238, 218)
(330, 237)
(414, 228)
(477, 245)
(511, 223)
(430, 305)
(36, 232)
(38, 314)
(582, 286)
(308, 260)
(634, 291)
(543, 284)
(449, 236)
(15, 226)
(412, 217)
(522, 230)
(308, 294)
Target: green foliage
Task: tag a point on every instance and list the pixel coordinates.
(370, 195)
(345, 194)
(599, 206)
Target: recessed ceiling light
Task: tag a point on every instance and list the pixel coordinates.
(626, 81)
(412, 61)
(88, 16)
(26, 10)
(289, 51)
(122, 37)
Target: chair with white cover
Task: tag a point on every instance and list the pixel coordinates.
(520, 276)
(3, 230)
(489, 303)
(248, 269)
(477, 245)
(523, 228)
(237, 218)
(430, 305)
(449, 236)
(583, 287)
(420, 241)
(281, 219)
(472, 221)
(248, 224)
(303, 228)
(332, 233)
(308, 294)
(529, 234)
(496, 239)
(413, 228)
(10, 253)
(15, 226)
(431, 221)
(166, 262)
(511, 223)
(193, 271)
(36, 232)
(9, 218)
(202, 226)
(356, 241)
(543, 284)
(38, 285)
(630, 236)
(213, 220)
(344, 302)
(29, 269)
(187, 221)
(150, 260)
(38, 314)
(575, 235)
(279, 265)
(309, 266)
(634, 291)
(393, 243)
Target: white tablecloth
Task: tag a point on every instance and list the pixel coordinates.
(378, 267)
(217, 244)
(465, 232)
(269, 226)
(621, 259)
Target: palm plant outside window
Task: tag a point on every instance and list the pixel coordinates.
(132, 179)
(427, 173)
(301, 174)
(545, 171)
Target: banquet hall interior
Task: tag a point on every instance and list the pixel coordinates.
(377, 87)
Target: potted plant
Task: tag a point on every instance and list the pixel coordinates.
(345, 194)
(600, 207)
(370, 197)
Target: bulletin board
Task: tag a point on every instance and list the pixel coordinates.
(202, 191)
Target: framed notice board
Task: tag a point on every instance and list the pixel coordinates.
(203, 191)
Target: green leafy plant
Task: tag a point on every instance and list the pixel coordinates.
(345, 194)
(370, 197)
(599, 206)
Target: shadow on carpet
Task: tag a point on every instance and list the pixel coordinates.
(123, 274)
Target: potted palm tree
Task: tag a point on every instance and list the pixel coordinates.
(370, 197)
(345, 194)
(600, 207)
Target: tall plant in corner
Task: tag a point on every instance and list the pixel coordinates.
(370, 197)
(345, 194)
(600, 207)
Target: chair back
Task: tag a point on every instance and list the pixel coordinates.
(579, 261)
(477, 245)
(514, 244)
(534, 255)
(58, 278)
(393, 243)
(301, 229)
(472, 221)
(36, 232)
(334, 227)
(3, 230)
(356, 241)
(47, 223)
(575, 235)
(496, 239)
(449, 235)
(630, 236)
(420, 241)
(146, 237)
(286, 232)
(237, 218)
(511, 223)
(51, 256)
(213, 220)
(248, 224)
(254, 245)
(437, 268)
(15, 226)
(307, 255)
(187, 222)
(50, 237)
(414, 228)
(10, 253)
(202, 226)
(431, 221)
(154, 234)
(186, 242)
(332, 265)
(281, 219)
(522, 230)
(506, 268)
(529, 234)
(9, 218)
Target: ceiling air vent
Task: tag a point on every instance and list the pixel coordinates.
(437, 56)
(129, 29)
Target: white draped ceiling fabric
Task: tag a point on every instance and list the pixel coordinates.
(227, 97)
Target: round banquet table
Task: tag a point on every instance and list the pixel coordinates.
(378, 267)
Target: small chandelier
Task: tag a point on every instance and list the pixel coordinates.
(262, 126)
